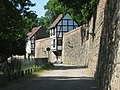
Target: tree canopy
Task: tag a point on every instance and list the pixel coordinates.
(53, 9)
(80, 10)
(14, 19)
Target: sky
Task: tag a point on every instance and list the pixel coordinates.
(39, 8)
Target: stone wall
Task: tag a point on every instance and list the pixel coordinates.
(95, 28)
(73, 47)
(40, 49)
(108, 68)
(98, 45)
(86, 42)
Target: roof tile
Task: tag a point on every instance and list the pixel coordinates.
(56, 21)
(34, 30)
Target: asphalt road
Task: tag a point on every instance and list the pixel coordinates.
(62, 77)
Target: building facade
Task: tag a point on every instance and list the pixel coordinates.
(63, 24)
(35, 34)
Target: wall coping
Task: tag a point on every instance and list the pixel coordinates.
(74, 30)
(42, 39)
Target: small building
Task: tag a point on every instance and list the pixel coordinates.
(63, 24)
(35, 34)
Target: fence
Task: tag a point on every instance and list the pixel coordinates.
(20, 67)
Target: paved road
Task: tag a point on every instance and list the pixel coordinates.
(62, 77)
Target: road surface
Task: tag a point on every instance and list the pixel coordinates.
(62, 77)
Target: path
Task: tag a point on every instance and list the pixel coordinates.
(62, 77)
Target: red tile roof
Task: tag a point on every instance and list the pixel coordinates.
(34, 30)
(56, 21)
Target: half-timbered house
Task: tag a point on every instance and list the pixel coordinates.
(63, 24)
(35, 34)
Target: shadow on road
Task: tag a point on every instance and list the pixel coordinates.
(54, 82)
(62, 67)
(63, 83)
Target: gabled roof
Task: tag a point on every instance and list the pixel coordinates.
(34, 30)
(56, 21)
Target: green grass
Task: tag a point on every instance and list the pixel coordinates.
(35, 74)
(4, 82)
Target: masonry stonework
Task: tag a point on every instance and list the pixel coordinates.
(96, 26)
(73, 48)
(41, 52)
(108, 68)
(98, 45)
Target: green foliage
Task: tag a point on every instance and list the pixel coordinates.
(53, 9)
(15, 19)
(30, 21)
(41, 21)
(82, 10)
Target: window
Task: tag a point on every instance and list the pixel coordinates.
(70, 22)
(59, 42)
(70, 28)
(65, 28)
(58, 28)
(87, 37)
(53, 42)
(59, 34)
(53, 31)
(32, 51)
(64, 22)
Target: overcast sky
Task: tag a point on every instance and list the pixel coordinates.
(39, 8)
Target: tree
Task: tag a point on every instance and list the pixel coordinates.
(53, 9)
(14, 15)
(41, 21)
(82, 9)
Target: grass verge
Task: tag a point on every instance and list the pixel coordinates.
(5, 83)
